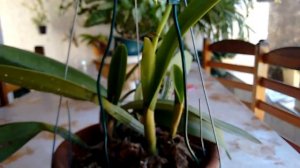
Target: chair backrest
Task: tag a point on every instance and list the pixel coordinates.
(288, 57)
(230, 46)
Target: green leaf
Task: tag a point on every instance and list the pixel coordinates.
(191, 14)
(147, 69)
(138, 95)
(96, 18)
(32, 61)
(117, 73)
(225, 126)
(123, 116)
(207, 132)
(14, 135)
(176, 75)
(44, 82)
(163, 117)
(176, 60)
(164, 113)
(166, 105)
(194, 128)
(90, 39)
(168, 88)
(169, 84)
(105, 5)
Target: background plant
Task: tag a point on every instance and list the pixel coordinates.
(225, 19)
(98, 42)
(39, 13)
(99, 12)
(221, 22)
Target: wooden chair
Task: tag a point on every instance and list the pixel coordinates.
(3, 97)
(230, 46)
(288, 57)
(5, 89)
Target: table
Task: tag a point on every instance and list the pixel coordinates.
(274, 152)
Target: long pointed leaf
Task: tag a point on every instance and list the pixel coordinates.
(176, 76)
(225, 126)
(147, 69)
(44, 82)
(117, 73)
(169, 84)
(123, 116)
(163, 117)
(14, 135)
(28, 60)
(138, 94)
(191, 14)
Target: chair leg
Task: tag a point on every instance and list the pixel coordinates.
(296, 147)
(3, 95)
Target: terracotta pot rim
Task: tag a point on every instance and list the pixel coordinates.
(61, 154)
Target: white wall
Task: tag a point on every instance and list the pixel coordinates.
(19, 31)
(258, 20)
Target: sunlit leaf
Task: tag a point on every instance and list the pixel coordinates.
(44, 82)
(147, 69)
(28, 60)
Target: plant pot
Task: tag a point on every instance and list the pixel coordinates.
(42, 29)
(131, 45)
(92, 136)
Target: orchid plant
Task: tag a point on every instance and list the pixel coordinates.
(32, 71)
